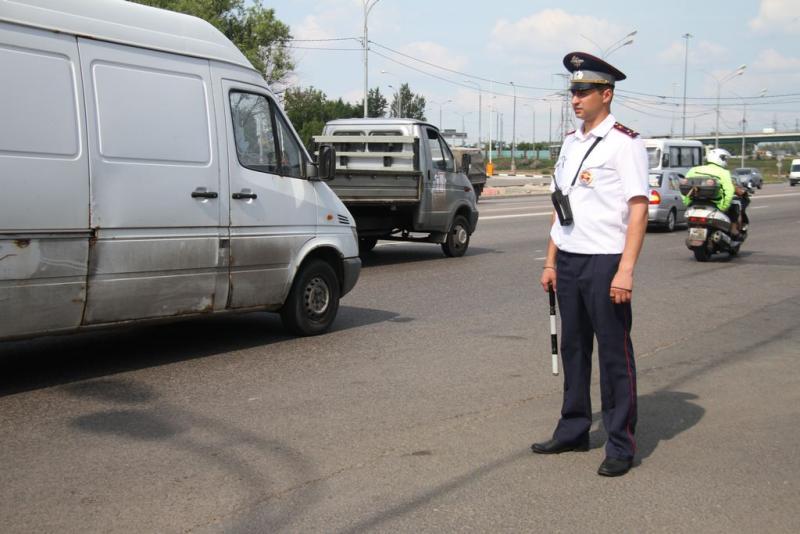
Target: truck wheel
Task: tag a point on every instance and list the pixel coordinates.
(313, 301)
(366, 244)
(457, 238)
(701, 254)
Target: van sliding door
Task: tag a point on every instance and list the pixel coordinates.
(155, 187)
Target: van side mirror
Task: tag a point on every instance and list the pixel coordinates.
(327, 163)
(665, 160)
(466, 160)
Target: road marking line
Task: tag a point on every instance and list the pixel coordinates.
(395, 243)
(539, 214)
(498, 210)
(758, 207)
(776, 196)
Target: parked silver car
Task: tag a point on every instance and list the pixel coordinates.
(666, 208)
(746, 176)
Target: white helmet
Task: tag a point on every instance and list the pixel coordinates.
(718, 156)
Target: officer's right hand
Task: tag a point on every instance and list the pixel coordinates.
(548, 278)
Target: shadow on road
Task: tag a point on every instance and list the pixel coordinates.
(664, 415)
(135, 413)
(49, 361)
(399, 254)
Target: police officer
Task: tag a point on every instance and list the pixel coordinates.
(602, 172)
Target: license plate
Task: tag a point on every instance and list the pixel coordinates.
(697, 234)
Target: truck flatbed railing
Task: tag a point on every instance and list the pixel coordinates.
(395, 152)
(376, 176)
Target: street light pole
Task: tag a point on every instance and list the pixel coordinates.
(672, 115)
(514, 132)
(368, 5)
(440, 104)
(480, 112)
(463, 127)
(686, 36)
(491, 89)
(399, 93)
(613, 47)
(728, 77)
(533, 128)
(398, 96)
(744, 122)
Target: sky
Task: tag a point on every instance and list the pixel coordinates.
(446, 49)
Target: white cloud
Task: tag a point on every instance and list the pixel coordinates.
(772, 60)
(700, 53)
(552, 31)
(313, 27)
(780, 15)
(434, 53)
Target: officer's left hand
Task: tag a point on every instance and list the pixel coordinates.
(621, 290)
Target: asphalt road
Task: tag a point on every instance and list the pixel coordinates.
(417, 412)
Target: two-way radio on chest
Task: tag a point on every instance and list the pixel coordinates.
(560, 200)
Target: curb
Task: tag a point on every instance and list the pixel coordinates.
(524, 190)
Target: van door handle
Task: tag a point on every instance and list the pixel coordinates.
(244, 196)
(204, 194)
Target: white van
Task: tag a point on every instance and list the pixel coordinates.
(678, 155)
(147, 172)
(794, 172)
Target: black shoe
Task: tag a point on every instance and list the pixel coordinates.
(554, 446)
(614, 467)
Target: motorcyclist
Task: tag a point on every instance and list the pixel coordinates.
(715, 168)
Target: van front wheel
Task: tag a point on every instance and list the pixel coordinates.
(313, 301)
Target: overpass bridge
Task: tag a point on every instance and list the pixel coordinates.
(735, 140)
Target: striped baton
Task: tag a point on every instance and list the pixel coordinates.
(553, 334)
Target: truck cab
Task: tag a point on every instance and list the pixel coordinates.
(399, 180)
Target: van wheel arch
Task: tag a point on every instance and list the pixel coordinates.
(313, 300)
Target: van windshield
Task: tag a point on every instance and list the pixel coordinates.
(796, 167)
(653, 157)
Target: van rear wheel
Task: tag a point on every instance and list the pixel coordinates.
(457, 241)
(312, 303)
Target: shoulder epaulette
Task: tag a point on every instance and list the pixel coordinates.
(624, 129)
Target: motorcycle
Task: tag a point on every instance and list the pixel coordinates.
(710, 228)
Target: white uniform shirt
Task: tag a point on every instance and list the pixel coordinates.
(615, 171)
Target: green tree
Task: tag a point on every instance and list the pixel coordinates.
(412, 106)
(260, 36)
(376, 104)
(309, 109)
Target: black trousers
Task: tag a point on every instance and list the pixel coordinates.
(587, 312)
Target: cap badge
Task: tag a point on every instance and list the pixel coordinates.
(577, 75)
(576, 62)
